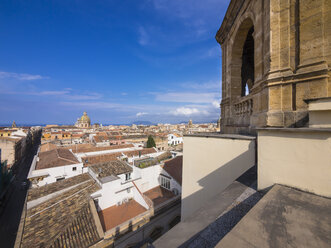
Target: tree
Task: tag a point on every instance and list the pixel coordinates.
(150, 142)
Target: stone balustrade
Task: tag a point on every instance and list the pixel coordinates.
(244, 107)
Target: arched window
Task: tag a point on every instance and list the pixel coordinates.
(242, 60)
(247, 65)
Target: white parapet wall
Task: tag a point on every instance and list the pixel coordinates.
(211, 163)
(296, 157)
(319, 112)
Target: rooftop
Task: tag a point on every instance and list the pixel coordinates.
(55, 158)
(145, 162)
(159, 195)
(81, 148)
(174, 167)
(102, 158)
(116, 215)
(35, 193)
(141, 152)
(65, 219)
(111, 168)
(47, 147)
(208, 225)
(90, 160)
(284, 217)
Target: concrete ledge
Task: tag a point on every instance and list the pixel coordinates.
(187, 230)
(301, 129)
(222, 136)
(96, 219)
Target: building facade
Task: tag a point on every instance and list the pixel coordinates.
(275, 55)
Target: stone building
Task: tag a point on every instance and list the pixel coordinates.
(84, 121)
(275, 55)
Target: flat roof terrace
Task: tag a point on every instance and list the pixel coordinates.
(159, 195)
(284, 217)
(116, 215)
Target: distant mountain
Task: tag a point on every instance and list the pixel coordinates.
(147, 123)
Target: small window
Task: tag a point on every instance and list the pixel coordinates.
(74, 168)
(127, 176)
(165, 182)
(128, 190)
(60, 178)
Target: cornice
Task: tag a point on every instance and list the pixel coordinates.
(228, 20)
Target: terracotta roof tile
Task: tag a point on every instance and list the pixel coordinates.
(90, 160)
(35, 193)
(111, 168)
(141, 152)
(175, 168)
(62, 221)
(81, 148)
(54, 158)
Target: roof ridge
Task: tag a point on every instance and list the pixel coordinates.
(58, 155)
(64, 199)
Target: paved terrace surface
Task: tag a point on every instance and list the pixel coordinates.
(285, 217)
(159, 195)
(207, 226)
(116, 215)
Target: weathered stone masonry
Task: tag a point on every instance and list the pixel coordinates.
(291, 54)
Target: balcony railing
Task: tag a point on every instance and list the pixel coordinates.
(244, 107)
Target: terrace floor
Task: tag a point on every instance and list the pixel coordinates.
(116, 215)
(284, 217)
(159, 195)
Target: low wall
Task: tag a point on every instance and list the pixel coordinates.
(211, 163)
(296, 157)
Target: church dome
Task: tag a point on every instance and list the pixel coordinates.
(85, 118)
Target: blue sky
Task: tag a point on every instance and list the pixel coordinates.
(119, 60)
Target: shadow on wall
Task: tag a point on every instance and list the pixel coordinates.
(218, 180)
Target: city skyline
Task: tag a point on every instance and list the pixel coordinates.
(121, 62)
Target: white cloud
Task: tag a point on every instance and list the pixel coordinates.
(188, 97)
(141, 114)
(216, 104)
(93, 105)
(21, 76)
(51, 93)
(92, 96)
(143, 38)
(211, 85)
(65, 94)
(212, 52)
(185, 111)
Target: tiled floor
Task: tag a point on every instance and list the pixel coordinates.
(159, 195)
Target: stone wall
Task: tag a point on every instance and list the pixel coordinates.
(291, 62)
